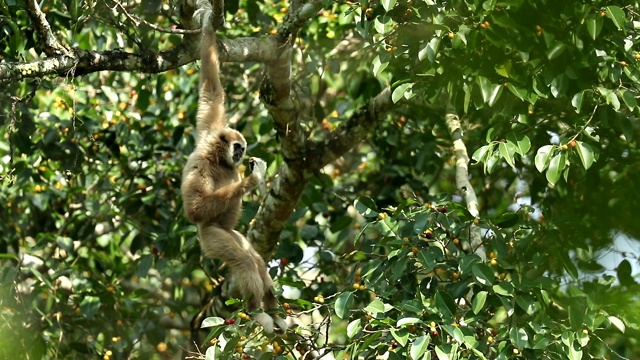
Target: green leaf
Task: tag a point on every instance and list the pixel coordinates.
(341, 223)
(518, 337)
(629, 99)
(377, 307)
(556, 49)
(507, 220)
(408, 321)
(419, 346)
(366, 207)
(479, 154)
(483, 274)
(610, 97)
(455, 332)
(427, 259)
(354, 328)
(594, 25)
(430, 50)
(401, 336)
(388, 4)
(421, 220)
(526, 303)
(343, 304)
(543, 157)
(519, 92)
(90, 306)
(522, 144)
(507, 153)
(617, 15)
(212, 321)
(478, 302)
(574, 353)
(490, 92)
(587, 153)
(445, 304)
(379, 65)
(504, 289)
(577, 311)
(442, 354)
(400, 92)
(558, 86)
(576, 101)
(568, 265)
(556, 165)
(617, 323)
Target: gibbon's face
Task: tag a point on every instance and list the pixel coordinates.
(234, 145)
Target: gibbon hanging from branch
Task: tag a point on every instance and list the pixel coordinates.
(212, 187)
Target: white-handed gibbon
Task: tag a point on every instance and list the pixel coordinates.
(212, 187)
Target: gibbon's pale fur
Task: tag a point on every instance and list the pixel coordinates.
(212, 187)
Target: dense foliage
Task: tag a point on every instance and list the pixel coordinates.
(98, 260)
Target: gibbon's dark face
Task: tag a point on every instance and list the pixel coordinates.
(235, 144)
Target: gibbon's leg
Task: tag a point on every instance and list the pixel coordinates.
(211, 111)
(244, 263)
(269, 300)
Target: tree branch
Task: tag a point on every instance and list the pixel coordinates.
(462, 176)
(82, 62)
(294, 174)
(51, 46)
(353, 131)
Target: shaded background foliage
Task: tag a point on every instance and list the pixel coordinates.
(98, 260)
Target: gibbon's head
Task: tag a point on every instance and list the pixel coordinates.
(225, 146)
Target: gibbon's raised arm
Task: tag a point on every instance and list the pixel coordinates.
(211, 111)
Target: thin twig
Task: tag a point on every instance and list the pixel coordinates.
(137, 21)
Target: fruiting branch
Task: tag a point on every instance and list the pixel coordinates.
(462, 176)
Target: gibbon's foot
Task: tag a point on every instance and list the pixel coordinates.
(266, 321)
(203, 12)
(258, 167)
(280, 323)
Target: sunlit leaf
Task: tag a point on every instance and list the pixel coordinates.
(400, 92)
(556, 165)
(419, 346)
(408, 321)
(518, 337)
(594, 25)
(483, 274)
(507, 154)
(379, 66)
(522, 143)
(212, 321)
(576, 101)
(556, 50)
(616, 14)
(617, 323)
(586, 152)
(387, 4)
(354, 328)
(478, 302)
(479, 155)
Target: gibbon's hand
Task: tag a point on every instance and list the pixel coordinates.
(203, 14)
(258, 167)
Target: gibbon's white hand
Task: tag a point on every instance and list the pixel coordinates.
(258, 167)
